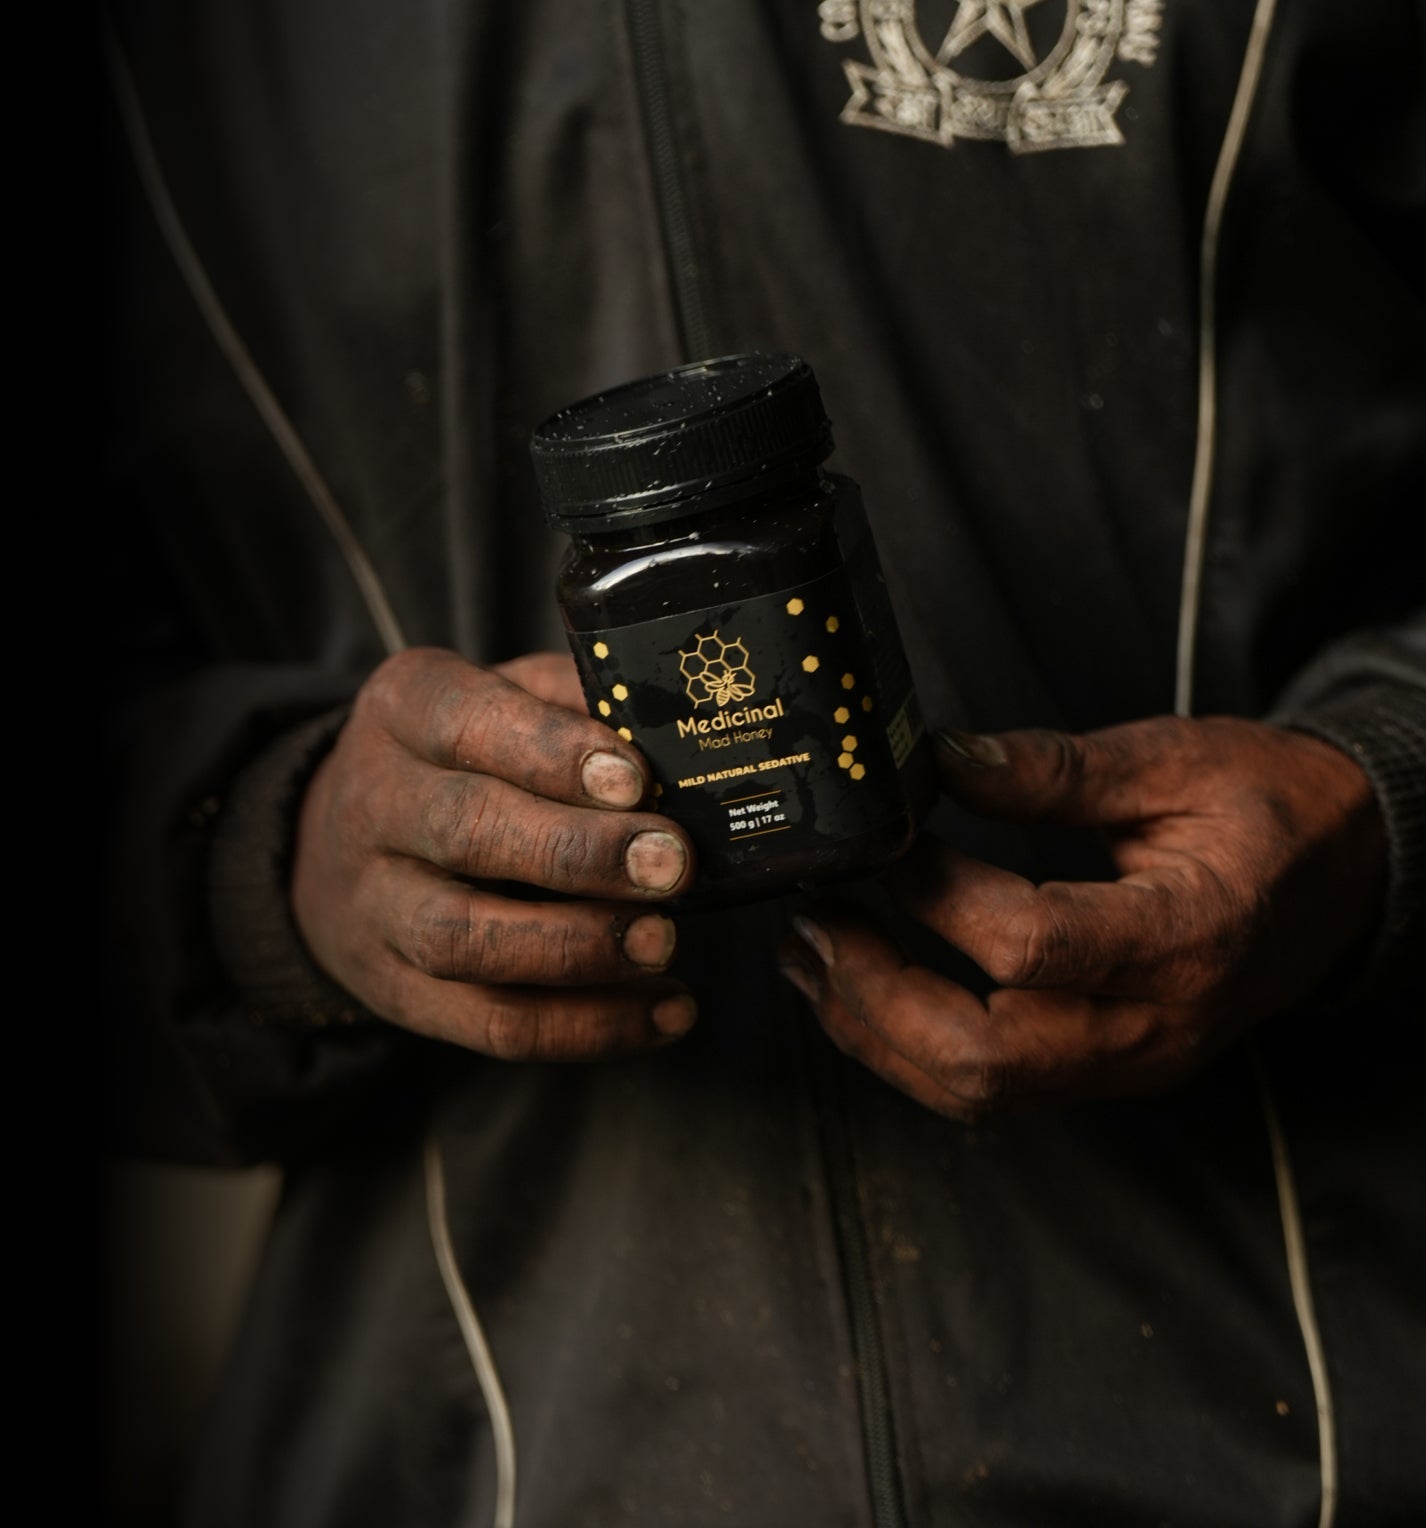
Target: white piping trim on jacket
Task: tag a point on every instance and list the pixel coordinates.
(1190, 602)
(1295, 1245)
(1192, 590)
(230, 342)
(501, 1428)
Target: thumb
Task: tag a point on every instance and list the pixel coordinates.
(1116, 775)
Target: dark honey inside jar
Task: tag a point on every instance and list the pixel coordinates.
(726, 608)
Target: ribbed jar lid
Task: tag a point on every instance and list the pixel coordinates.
(680, 441)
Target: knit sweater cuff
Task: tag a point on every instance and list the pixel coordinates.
(1382, 724)
(249, 876)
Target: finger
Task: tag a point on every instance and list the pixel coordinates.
(862, 1043)
(1014, 1050)
(1116, 775)
(936, 1027)
(1162, 931)
(451, 713)
(518, 1023)
(484, 828)
(547, 676)
(455, 932)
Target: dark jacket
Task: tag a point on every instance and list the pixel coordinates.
(1151, 321)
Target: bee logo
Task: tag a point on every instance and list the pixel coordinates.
(716, 670)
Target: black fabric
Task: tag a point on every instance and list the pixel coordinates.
(431, 229)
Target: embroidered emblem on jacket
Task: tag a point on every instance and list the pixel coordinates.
(999, 71)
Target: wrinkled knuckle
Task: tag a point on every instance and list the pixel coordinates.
(1065, 762)
(512, 1031)
(983, 1084)
(1002, 956)
(569, 955)
(1028, 952)
(1217, 940)
(564, 854)
(529, 950)
(440, 943)
(472, 723)
(981, 1072)
(453, 821)
(973, 1075)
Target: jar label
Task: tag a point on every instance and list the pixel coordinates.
(768, 723)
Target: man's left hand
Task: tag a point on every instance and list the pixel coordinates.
(1250, 861)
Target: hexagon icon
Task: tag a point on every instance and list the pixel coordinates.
(716, 670)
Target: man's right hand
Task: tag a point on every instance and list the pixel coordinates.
(453, 794)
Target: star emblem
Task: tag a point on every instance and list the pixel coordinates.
(1004, 20)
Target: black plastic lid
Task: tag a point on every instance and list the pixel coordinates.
(680, 442)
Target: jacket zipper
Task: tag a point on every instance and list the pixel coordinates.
(888, 1506)
(693, 310)
(687, 270)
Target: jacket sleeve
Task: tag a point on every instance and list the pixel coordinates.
(227, 1044)
(1367, 695)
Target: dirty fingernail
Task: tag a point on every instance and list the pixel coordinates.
(815, 937)
(803, 979)
(654, 861)
(675, 1015)
(649, 941)
(611, 780)
(972, 747)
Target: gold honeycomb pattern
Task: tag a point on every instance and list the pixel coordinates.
(715, 670)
